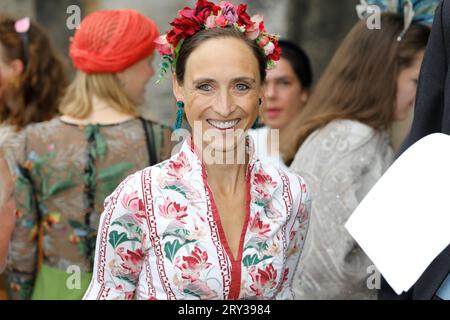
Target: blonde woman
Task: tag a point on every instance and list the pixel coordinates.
(70, 164)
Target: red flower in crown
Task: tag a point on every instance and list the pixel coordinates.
(204, 8)
(190, 21)
(244, 19)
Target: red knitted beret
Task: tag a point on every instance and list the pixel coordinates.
(110, 41)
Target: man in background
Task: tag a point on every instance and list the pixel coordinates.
(432, 115)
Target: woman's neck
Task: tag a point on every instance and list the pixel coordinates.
(226, 178)
(226, 170)
(101, 113)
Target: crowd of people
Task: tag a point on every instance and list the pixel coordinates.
(253, 204)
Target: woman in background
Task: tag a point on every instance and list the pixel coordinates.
(68, 165)
(287, 89)
(33, 75)
(345, 147)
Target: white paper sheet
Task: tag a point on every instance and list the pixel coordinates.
(403, 223)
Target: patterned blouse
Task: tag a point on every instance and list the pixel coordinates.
(65, 172)
(341, 162)
(161, 235)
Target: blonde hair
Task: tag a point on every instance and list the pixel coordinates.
(77, 102)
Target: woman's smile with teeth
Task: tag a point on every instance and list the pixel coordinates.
(223, 125)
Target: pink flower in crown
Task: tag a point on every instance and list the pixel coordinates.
(259, 227)
(263, 184)
(179, 167)
(269, 48)
(211, 22)
(192, 265)
(263, 41)
(263, 279)
(229, 11)
(173, 210)
(163, 46)
(254, 31)
(221, 21)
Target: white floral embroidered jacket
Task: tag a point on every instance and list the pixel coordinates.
(160, 236)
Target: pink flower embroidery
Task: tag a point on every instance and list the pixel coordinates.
(130, 201)
(259, 227)
(179, 167)
(173, 210)
(130, 265)
(263, 184)
(192, 265)
(262, 279)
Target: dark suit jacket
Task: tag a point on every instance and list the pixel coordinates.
(432, 114)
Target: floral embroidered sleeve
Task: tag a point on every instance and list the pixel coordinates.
(121, 244)
(297, 231)
(23, 255)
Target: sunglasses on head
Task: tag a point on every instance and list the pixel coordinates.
(22, 27)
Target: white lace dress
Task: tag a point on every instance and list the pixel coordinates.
(340, 162)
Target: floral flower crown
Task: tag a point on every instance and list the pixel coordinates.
(207, 15)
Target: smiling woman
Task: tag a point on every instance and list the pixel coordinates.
(194, 227)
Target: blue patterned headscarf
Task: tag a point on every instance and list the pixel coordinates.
(413, 11)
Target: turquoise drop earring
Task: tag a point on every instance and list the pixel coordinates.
(180, 113)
